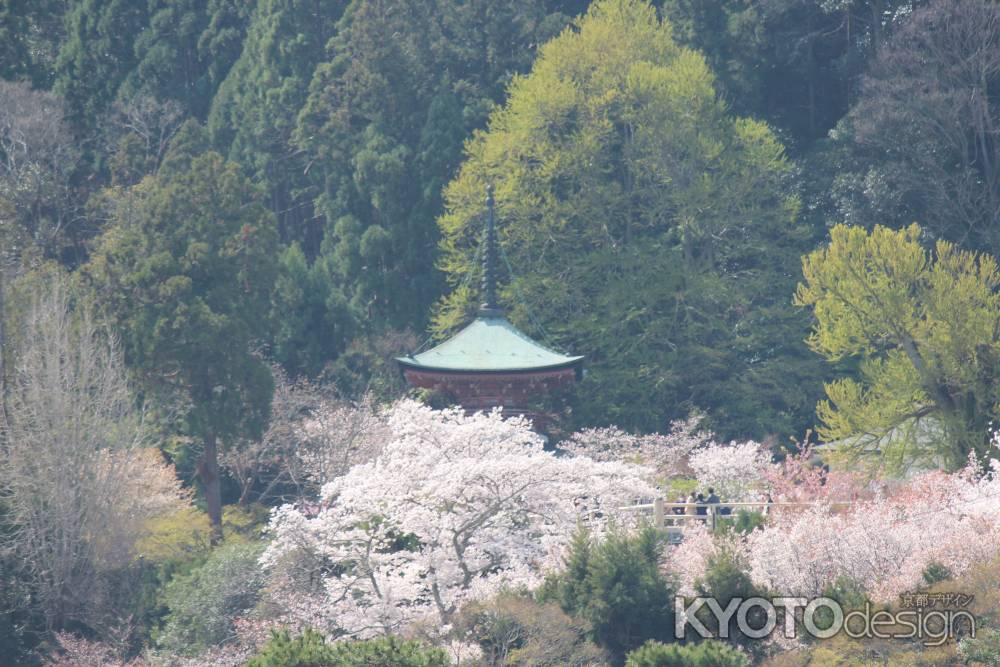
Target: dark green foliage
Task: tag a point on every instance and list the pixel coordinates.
(310, 650)
(253, 114)
(794, 62)
(616, 586)
(311, 321)
(186, 51)
(920, 137)
(847, 592)
(935, 573)
(18, 628)
(571, 588)
(726, 577)
(31, 32)
(97, 55)
(383, 128)
(188, 271)
(306, 650)
(203, 604)
(728, 33)
(744, 521)
(15, 60)
(704, 654)
(368, 366)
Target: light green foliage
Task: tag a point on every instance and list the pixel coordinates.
(647, 228)
(925, 328)
(704, 654)
(310, 650)
(203, 603)
(616, 586)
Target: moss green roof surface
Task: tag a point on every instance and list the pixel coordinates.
(488, 344)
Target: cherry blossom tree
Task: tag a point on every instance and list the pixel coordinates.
(666, 454)
(313, 437)
(688, 561)
(736, 471)
(338, 435)
(884, 544)
(798, 478)
(455, 507)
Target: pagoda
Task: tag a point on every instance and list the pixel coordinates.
(490, 363)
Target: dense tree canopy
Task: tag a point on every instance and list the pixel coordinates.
(187, 269)
(636, 212)
(925, 327)
(383, 128)
(244, 190)
(924, 130)
(97, 55)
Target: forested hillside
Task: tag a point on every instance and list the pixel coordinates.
(220, 220)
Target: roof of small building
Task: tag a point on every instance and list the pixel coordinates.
(489, 344)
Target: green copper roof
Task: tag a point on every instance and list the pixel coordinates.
(488, 344)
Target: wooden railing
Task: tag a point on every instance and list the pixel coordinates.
(665, 517)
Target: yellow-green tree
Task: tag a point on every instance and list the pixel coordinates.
(925, 328)
(646, 226)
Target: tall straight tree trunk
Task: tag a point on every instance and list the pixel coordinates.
(208, 471)
(3, 359)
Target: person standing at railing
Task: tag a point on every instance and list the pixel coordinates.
(702, 505)
(692, 500)
(680, 501)
(715, 501)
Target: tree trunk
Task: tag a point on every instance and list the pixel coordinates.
(877, 25)
(3, 359)
(208, 471)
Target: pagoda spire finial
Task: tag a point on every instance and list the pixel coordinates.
(490, 307)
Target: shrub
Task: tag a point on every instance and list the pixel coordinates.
(514, 630)
(984, 648)
(704, 654)
(726, 578)
(310, 650)
(935, 573)
(617, 587)
(743, 522)
(203, 604)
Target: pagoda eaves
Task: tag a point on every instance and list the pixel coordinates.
(490, 363)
